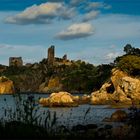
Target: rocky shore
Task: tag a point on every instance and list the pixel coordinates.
(120, 89)
(6, 86)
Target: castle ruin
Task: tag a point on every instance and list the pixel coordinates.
(55, 61)
(15, 61)
(51, 55)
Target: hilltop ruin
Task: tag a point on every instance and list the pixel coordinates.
(51, 59)
(15, 61)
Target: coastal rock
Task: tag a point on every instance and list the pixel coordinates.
(119, 116)
(6, 86)
(84, 99)
(53, 85)
(100, 98)
(60, 99)
(121, 89)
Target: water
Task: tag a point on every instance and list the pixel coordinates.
(66, 115)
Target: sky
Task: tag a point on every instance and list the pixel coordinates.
(94, 31)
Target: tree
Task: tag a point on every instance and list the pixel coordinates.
(130, 64)
(131, 50)
(128, 48)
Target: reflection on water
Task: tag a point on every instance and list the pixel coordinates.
(67, 116)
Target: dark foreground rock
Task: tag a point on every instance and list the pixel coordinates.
(117, 116)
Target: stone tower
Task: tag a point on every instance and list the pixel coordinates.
(51, 55)
(15, 61)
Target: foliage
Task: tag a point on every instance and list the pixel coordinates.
(130, 64)
(129, 50)
(25, 120)
(79, 77)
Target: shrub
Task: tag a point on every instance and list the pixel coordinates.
(130, 64)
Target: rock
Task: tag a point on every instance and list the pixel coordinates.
(53, 85)
(84, 99)
(119, 116)
(121, 89)
(79, 128)
(123, 132)
(100, 98)
(76, 98)
(60, 99)
(44, 101)
(91, 126)
(107, 126)
(6, 85)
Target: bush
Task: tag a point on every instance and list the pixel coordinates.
(130, 64)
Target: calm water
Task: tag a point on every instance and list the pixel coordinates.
(68, 116)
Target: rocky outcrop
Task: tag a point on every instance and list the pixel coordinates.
(53, 85)
(60, 99)
(117, 116)
(121, 89)
(6, 86)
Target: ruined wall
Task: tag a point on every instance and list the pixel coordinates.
(51, 55)
(15, 61)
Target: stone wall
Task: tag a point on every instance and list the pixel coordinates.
(15, 61)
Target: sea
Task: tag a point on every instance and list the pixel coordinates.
(69, 116)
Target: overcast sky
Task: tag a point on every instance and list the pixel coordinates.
(92, 30)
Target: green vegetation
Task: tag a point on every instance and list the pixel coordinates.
(79, 76)
(130, 62)
(85, 77)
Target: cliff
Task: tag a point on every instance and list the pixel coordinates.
(121, 88)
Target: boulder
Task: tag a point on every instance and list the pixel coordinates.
(60, 99)
(119, 116)
(6, 86)
(100, 98)
(121, 89)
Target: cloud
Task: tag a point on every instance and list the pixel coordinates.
(76, 2)
(6, 46)
(55, 0)
(90, 16)
(112, 55)
(97, 5)
(45, 13)
(117, 27)
(75, 31)
(41, 14)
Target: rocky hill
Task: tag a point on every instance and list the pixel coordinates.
(71, 76)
